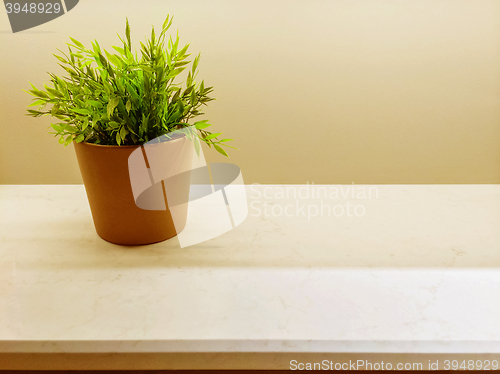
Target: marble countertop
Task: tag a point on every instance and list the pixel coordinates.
(405, 268)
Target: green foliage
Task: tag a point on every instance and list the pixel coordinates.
(123, 99)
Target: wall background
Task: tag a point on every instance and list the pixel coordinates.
(334, 91)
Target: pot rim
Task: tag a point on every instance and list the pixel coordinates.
(130, 146)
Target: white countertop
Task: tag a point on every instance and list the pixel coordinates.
(419, 271)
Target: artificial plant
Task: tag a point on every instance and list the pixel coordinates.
(123, 98)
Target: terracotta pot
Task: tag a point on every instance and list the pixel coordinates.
(117, 218)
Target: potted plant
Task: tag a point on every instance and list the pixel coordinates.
(108, 105)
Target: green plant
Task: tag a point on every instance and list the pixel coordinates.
(123, 99)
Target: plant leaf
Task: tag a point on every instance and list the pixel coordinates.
(68, 140)
(123, 133)
(38, 102)
(220, 150)
(202, 124)
(77, 43)
(212, 136)
(95, 104)
(127, 34)
(112, 104)
(120, 50)
(81, 111)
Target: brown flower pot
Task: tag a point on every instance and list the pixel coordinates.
(117, 218)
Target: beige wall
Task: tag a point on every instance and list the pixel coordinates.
(372, 91)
